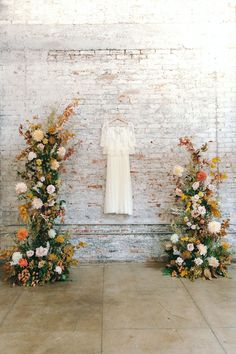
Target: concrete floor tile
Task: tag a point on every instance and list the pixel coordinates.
(227, 337)
(84, 342)
(165, 309)
(160, 341)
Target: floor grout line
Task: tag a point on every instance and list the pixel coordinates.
(199, 309)
(103, 272)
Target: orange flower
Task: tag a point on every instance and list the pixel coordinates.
(201, 176)
(23, 262)
(22, 234)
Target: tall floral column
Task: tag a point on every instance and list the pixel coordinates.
(42, 253)
(198, 247)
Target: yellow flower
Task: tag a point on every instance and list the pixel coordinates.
(24, 213)
(201, 194)
(52, 257)
(45, 141)
(225, 245)
(39, 162)
(183, 273)
(183, 196)
(215, 159)
(185, 219)
(184, 238)
(59, 239)
(54, 164)
(30, 195)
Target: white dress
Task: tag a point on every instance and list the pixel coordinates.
(118, 142)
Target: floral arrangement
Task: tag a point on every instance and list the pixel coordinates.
(41, 253)
(198, 248)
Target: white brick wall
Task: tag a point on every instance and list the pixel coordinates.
(170, 66)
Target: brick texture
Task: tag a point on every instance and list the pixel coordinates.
(170, 68)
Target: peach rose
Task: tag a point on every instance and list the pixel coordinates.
(22, 234)
(23, 262)
(201, 176)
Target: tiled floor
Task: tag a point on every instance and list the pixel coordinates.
(120, 309)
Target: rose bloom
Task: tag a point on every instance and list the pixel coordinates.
(30, 253)
(201, 176)
(178, 171)
(190, 247)
(58, 269)
(22, 234)
(41, 251)
(198, 261)
(213, 262)
(202, 210)
(174, 238)
(37, 203)
(21, 188)
(195, 186)
(23, 262)
(41, 146)
(179, 261)
(61, 152)
(31, 156)
(51, 189)
(38, 135)
(16, 256)
(214, 227)
(54, 164)
(52, 233)
(202, 249)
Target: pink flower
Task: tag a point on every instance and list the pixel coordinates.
(51, 189)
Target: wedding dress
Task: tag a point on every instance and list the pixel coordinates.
(118, 142)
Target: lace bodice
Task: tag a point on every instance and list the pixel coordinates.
(118, 139)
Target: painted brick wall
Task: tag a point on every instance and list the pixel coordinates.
(170, 67)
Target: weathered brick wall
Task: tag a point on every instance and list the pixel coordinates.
(170, 67)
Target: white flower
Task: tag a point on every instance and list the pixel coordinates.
(31, 156)
(42, 179)
(195, 185)
(189, 224)
(41, 251)
(21, 188)
(61, 152)
(178, 192)
(176, 252)
(38, 135)
(54, 165)
(211, 187)
(198, 261)
(214, 227)
(202, 210)
(51, 202)
(52, 233)
(202, 249)
(51, 189)
(16, 256)
(174, 238)
(195, 213)
(37, 203)
(179, 261)
(58, 269)
(190, 247)
(193, 227)
(30, 253)
(41, 146)
(213, 262)
(39, 184)
(195, 198)
(178, 171)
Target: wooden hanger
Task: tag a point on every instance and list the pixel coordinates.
(119, 117)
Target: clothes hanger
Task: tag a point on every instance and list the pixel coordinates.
(119, 117)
